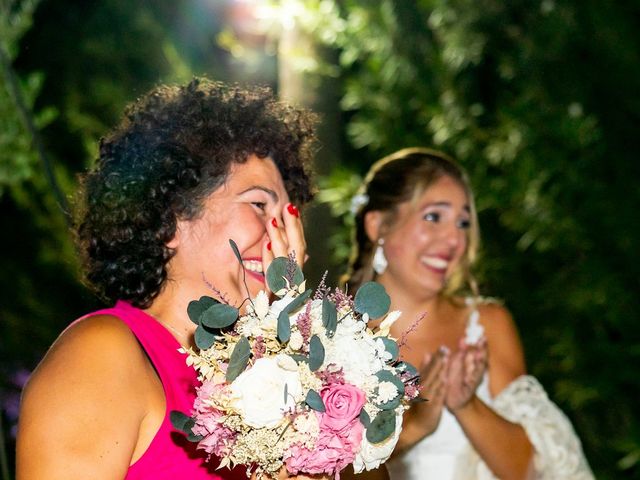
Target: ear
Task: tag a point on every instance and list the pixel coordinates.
(373, 225)
(175, 241)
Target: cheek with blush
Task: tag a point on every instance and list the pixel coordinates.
(393, 251)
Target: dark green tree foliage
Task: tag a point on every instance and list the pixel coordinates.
(539, 102)
(76, 65)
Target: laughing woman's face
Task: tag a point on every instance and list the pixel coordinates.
(242, 209)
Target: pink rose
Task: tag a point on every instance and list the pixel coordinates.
(343, 403)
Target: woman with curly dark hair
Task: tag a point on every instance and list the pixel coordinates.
(187, 169)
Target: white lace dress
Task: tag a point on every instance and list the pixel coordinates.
(447, 454)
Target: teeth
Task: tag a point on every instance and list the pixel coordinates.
(252, 265)
(435, 262)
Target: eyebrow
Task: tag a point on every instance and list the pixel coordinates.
(268, 191)
(466, 208)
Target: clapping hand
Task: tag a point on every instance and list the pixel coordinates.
(433, 373)
(465, 372)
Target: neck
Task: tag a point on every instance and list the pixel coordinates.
(411, 305)
(170, 310)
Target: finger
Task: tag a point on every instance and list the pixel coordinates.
(277, 235)
(267, 258)
(294, 231)
(435, 366)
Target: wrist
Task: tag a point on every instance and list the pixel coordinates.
(466, 408)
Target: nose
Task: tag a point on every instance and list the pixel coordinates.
(452, 235)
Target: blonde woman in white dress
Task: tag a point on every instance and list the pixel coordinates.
(416, 233)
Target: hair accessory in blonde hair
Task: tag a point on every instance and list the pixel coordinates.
(357, 202)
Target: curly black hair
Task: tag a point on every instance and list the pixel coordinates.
(175, 146)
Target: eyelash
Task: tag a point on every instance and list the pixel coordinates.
(260, 205)
(464, 224)
(435, 217)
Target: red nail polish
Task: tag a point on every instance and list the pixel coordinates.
(274, 222)
(269, 246)
(293, 210)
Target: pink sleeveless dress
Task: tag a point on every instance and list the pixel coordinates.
(170, 455)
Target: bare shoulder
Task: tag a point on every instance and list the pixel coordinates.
(93, 348)
(90, 376)
(506, 357)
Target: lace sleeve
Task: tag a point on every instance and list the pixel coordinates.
(558, 452)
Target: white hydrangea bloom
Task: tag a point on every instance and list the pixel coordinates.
(358, 356)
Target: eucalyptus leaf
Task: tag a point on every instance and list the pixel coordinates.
(236, 251)
(179, 420)
(407, 367)
(239, 359)
(391, 404)
(314, 400)
(316, 353)
(185, 424)
(382, 427)
(391, 347)
(372, 299)
(284, 327)
(194, 438)
(219, 316)
(276, 274)
(298, 301)
(197, 307)
(299, 358)
(365, 420)
(329, 317)
(204, 338)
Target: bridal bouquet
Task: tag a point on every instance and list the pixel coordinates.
(300, 382)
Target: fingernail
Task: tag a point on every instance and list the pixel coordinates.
(269, 246)
(444, 349)
(293, 210)
(274, 222)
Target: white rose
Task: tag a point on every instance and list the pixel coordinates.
(258, 392)
(371, 455)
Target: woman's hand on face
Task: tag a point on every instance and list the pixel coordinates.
(286, 237)
(433, 378)
(466, 370)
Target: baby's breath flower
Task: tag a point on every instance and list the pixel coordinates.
(371, 410)
(308, 379)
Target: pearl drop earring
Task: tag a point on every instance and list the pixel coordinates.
(379, 260)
